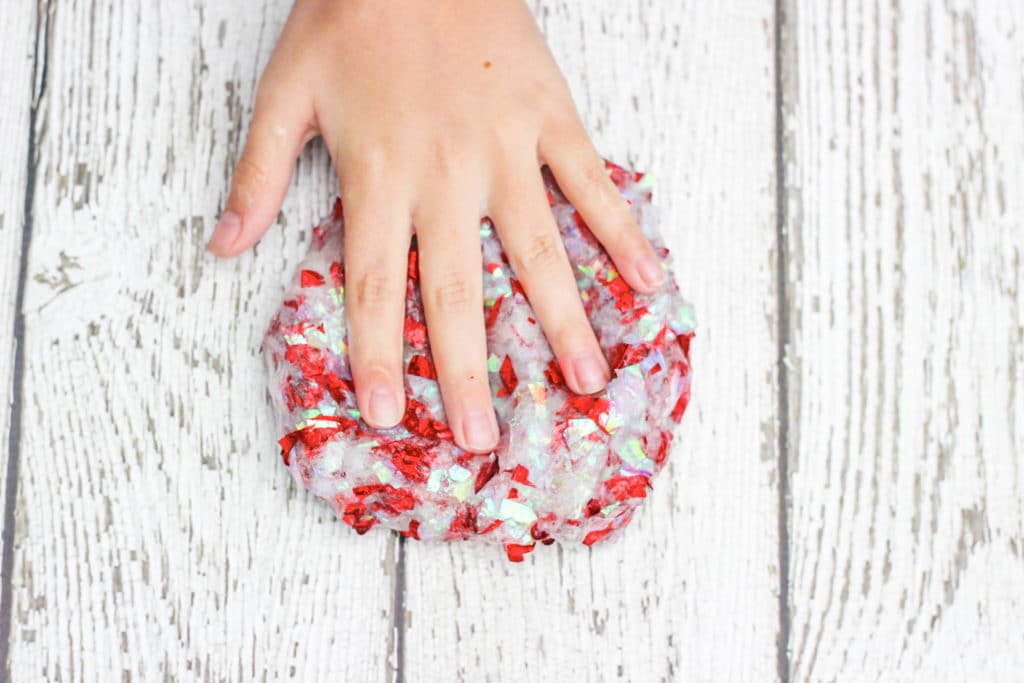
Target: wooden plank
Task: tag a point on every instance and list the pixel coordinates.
(158, 535)
(905, 158)
(16, 89)
(690, 592)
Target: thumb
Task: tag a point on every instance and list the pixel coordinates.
(279, 130)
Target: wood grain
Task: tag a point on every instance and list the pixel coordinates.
(689, 593)
(905, 158)
(158, 536)
(16, 95)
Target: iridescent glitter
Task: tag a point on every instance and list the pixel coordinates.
(568, 468)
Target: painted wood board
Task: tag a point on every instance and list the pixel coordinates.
(690, 592)
(904, 163)
(158, 535)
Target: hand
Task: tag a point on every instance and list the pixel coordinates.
(436, 113)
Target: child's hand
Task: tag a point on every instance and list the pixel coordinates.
(436, 113)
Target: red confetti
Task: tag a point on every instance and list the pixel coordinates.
(623, 487)
(596, 535)
(516, 551)
(509, 381)
(464, 522)
(553, 374)
(485, 474)
(520, 474)
(311, 278)
(419, 421)
(420, 366)
(680, 407)
(413, 268)
(337, 274)
(415, 332)
(492, 315)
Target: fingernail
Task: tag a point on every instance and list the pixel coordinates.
(590, 374)
(651, 271)
(226, 233)
(478, 431)
(384, 408)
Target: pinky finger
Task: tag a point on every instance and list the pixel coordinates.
(581, 175)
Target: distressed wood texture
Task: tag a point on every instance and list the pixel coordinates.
(905, 158)
(690, 592)
(15, 105)
(158, 536)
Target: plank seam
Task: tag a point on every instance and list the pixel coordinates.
(782, 333)
(398, 613)
(39, 70)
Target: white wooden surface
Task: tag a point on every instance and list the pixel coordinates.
(905, 261)
(158, 537)
(696, 576)
(157, 532)
(15, 104)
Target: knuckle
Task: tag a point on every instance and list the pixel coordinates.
(250, 175)
(539, 253)
(452, 293)
(372, 289)
(594, 175)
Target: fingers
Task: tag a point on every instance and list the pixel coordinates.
(530, 237)
(581, 175)
(451, 282)
(377, 235)
(280, 127)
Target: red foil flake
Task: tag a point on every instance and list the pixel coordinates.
(394, 501)
(486, 473)
(411, 461)
(596, 535)
(356, 516)
(623, 487)
(419, 420)
(622, 294)
(517, 288)
(624, 355)
(313, 438)
(592, 407)
(414, 530)
(680, 407)
(420, 366)
(304, 394)
(684, 343)
(413, 266)
(464, 522)
(509, 381)
(415, 332)
(492, 315)
(337, 274)
(516, 552)
(311, 361)
(490, 527)
(319, 237)
(553, 374)
(338, 208)
(520, 475)
(311, 278)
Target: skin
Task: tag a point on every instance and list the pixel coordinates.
(436, 113)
